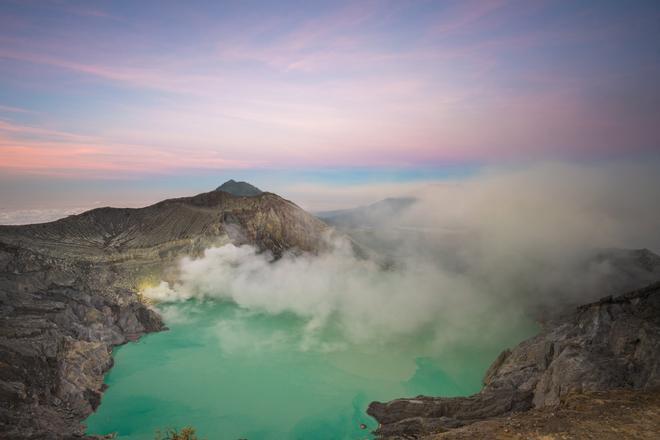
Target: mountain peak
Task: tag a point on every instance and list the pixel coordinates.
(241, 189)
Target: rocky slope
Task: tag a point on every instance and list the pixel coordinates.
(598, 415)
(610, 344)
(69, 293)
(242, 189)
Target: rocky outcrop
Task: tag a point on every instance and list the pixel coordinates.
(55, 346)
(610, 344)
(69, 292)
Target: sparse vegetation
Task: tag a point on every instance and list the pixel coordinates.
(186, 433)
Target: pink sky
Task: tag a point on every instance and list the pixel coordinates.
(112, 91)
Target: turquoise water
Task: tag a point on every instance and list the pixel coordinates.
(234, 374)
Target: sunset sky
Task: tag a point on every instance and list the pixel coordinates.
(127, 101)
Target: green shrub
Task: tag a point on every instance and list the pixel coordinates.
(186, 433)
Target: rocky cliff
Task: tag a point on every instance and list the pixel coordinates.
(69, 293)
(610, 344)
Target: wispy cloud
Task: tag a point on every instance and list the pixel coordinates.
(26, 130)
(11, 109)
(357, 83)
(44, 151)
(464, 15)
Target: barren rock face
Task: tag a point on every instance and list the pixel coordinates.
(68, 293)
(613, 343)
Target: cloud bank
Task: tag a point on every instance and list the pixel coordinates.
(30, 216)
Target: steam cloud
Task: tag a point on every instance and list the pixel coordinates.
(466, 258)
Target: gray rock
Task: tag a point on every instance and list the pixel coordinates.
(69, 293)
(612, 343)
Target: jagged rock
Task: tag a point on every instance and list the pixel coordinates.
(68, 293)
(609, 344)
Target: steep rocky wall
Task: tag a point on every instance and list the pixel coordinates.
(56, 339)
(68, 293)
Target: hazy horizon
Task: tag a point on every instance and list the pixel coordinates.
(124, 104)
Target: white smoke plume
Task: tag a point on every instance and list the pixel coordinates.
(356, 294)
(468, 258)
